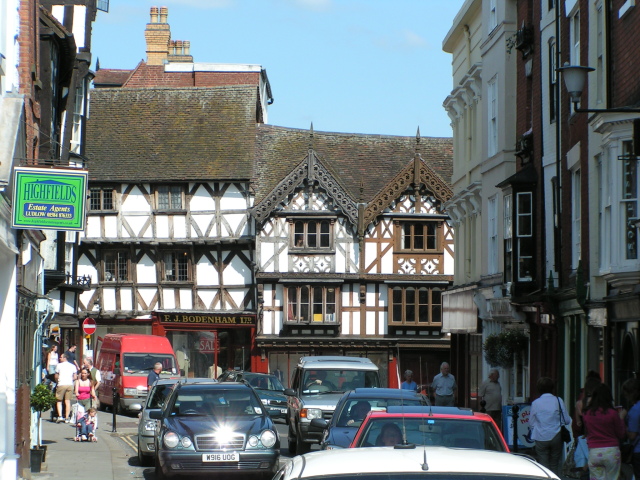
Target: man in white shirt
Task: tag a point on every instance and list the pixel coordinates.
(66, 374)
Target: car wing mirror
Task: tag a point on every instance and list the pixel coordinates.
(290, 392)
(155, 414)
(319, 423)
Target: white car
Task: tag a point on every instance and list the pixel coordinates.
(412, 462)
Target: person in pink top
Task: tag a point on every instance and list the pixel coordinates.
(604, 430)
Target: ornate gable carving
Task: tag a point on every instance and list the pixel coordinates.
(401, 183)
(311, 170)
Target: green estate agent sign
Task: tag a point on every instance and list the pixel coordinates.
(49, 199)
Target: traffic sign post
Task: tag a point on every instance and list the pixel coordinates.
(89, 326)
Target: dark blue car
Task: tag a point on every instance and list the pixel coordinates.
(215, 429)
(354, 406)
(267, 386)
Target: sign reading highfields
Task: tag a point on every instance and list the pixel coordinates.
(208, 319)
(49, 199)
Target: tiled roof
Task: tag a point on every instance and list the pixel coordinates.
(165, 134)
(356, 160)
(111, 77)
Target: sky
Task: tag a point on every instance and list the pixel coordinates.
(352, 66)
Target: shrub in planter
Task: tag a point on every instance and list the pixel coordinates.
(42, 399)
(500, 348)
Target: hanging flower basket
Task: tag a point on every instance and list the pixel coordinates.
(500, 348)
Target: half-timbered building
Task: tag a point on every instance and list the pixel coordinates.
(249, 245)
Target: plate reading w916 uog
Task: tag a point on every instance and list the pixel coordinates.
(220, 457)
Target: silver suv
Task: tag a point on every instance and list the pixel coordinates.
(317, 385)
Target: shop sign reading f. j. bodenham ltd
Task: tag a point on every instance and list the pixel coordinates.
(49, 198)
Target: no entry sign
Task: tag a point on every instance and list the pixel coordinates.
(89, 326)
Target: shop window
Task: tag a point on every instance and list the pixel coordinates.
(116, 266)
(312, 303)
(101, 199)
(176, 266)
(419, 236)
(316, 234)
(169, 197)
(416, 306)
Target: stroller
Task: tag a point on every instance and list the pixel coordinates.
(85, 432)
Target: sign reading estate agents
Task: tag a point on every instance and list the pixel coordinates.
(49, 199)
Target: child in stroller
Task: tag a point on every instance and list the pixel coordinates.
(86, 426)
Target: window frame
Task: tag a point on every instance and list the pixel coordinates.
(122, 260)
(524, 220)
(295, 236)
(492, 114)
(507, 201)
(157, 193)
(492, 233)
(292, 317)
(553, 79)
(101, 200)
(576, 211)
(436, 235)
(629, 202)
(405, 305)
(177, 255)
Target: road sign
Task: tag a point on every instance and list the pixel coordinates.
(89, 326)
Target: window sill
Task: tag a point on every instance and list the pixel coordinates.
(170, 212)
(312, 251)
(102, 212)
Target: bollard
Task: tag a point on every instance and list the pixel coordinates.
(514, 413)
(483, 404)
(114, 408)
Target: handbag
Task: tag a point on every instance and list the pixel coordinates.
(565, 434)
(569, 468)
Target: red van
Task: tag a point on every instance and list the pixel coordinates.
(125, 360)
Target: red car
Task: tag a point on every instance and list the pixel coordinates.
(444, 426)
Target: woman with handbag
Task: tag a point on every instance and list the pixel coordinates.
(604, 430)
(548, 418)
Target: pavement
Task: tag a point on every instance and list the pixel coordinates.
(112, 457)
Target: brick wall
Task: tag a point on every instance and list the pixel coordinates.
(625, 66)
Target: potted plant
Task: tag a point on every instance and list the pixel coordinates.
(500, 348)
(42, 399)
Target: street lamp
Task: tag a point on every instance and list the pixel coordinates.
(575, 77)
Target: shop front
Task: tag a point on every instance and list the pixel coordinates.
(207, 344)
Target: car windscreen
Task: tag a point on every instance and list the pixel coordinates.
(158, 396)
(264, 382)
(354, 410)
(445, 432)
(137, 364)
(338, 380)
(216, 402)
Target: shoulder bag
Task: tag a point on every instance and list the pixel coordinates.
(564, 432)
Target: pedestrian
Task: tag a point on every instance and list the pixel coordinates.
(65, 376)
(83, 389)
(491, 393)
(604, 431)
(154, 375)
(94, 373)
(631, 392)
(52, 363)
(590, 383)
(71, 355)
(408, 383)
(444, 386)
(547, 414)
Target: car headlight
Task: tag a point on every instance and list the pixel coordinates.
(136, 391)
(171, 440)
(150, 425)
(186, 442)
(253, 441)
(265, 401)
(310, 413)
(268, 438)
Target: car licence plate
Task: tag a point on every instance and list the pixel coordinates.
(220, 457)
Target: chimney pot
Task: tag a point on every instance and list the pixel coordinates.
(154, 15)
(187, 46)
(164, 12)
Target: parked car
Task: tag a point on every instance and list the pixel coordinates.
(353, 407)
(445, 426)
(316, 386)
(423, 463)
(214, 429)
(147, 427)
(125, 360)
(267, 386)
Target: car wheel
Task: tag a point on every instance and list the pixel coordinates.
(292, 441)
(303, 447)
(143, 460)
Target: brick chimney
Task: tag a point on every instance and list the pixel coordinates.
(158, 36)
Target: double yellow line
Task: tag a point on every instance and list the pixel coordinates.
(128, 439)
